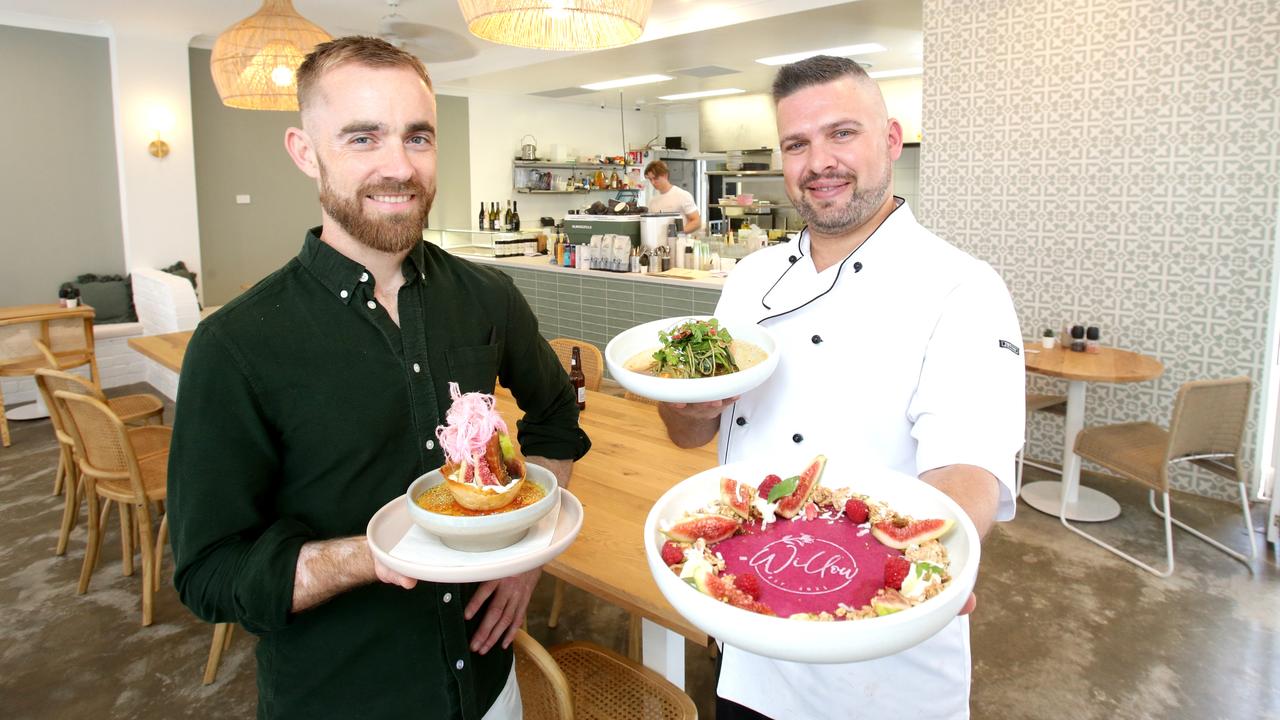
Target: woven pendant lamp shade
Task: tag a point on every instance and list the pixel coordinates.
(557, 24)
(254, 62)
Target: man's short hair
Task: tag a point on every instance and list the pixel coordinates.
(368, 51)
(817, 70)
(657, 168)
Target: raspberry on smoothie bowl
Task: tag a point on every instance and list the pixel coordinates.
(794, 549)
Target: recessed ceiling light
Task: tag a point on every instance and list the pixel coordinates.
(627, 82)
(842, 51)
(896, 73)
(701, 94)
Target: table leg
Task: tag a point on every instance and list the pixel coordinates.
(1067, 497)
(32, 411)
(663, 651)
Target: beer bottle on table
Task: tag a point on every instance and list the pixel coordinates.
(577, 378)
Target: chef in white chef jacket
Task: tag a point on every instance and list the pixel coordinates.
(899, 353)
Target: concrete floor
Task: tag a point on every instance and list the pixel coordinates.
(1062, 630)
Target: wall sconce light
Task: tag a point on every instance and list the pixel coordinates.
(160, 121)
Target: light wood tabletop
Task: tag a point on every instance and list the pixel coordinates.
(1110, 365)
(631, 463)
(166, 349)
(47, 311)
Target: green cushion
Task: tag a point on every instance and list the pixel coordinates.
(180, 269)
(111, 297)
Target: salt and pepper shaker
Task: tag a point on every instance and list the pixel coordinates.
(1091, 340)
(1077, 338)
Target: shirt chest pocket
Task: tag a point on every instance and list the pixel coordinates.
(474, 367)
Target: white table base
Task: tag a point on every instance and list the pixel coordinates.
(1067, 498)
(33, 411)
(663, 651)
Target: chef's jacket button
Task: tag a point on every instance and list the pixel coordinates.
(857, 267)
(458, 664)
(431, 444)
(364, 277)
(447, 597)
(372, 305)
(816, 339)
(343, 294)
(797, 438)
(741, 421)
(417, 367)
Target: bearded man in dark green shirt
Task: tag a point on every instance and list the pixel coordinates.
(310, 401)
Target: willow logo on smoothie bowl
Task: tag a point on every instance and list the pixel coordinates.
(482, 472)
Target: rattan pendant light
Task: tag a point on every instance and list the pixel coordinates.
(255, 60)
(557, 24)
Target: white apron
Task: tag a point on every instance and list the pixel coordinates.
(883, 360)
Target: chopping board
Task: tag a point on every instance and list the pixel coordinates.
(684, 274)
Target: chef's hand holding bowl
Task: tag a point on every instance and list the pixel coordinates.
(627, 354)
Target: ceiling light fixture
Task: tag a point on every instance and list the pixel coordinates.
(702, 94)
(627, 82)
(557, 24)
(254, 61)
(904, 72)
(842, 51)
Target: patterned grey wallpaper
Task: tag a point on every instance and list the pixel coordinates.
(1118, 162)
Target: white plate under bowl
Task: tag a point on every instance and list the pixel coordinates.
(388, 526)
(629, 343)
(810, 641)
(480, 533)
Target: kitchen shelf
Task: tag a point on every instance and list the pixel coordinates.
(746, 173)
(754, 206)
(527, 191)
(564, 165)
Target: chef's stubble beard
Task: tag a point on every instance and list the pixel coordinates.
(388, 233)
(862, 205)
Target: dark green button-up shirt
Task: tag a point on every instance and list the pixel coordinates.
(302, 410)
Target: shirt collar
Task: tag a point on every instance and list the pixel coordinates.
(341, 275)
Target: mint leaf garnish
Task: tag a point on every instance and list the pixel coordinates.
(784, 488)
(692, 584)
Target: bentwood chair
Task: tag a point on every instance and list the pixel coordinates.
(544, 690)
(221, 641)
(1036, 402)
(608, 685)
(592, 360)
(130, 467)
(1207, 430)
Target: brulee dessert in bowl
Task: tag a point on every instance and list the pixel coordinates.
(485, 496)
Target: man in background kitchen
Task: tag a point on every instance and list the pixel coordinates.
(901, 356)
(312, 400)
(671, 198)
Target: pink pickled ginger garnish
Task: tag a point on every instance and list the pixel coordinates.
(469, 424)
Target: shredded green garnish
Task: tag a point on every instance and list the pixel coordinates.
(695, 349)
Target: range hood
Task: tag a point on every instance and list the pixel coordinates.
(738, 122)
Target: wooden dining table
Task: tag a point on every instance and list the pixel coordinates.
(631, 464)
(1109, 365)
(19, 357)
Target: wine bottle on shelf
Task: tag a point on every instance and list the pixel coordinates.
(483, 218)
(506, 218)
(515, 215)
(493, 216)
(577, 378)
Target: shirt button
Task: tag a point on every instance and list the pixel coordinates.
(797, 438)
(857, 267)
(447, 597)
(364, 277)
(431, 444)
(741, 421)
(372, 305)
(417, 368)
(343, 294)
(816, 339)
(458, 664)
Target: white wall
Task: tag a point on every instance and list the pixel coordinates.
(499, 121)
(682, 122)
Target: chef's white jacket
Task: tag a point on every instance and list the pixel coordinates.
(904, 357)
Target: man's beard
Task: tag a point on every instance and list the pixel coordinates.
(840, 219)
(384, 233)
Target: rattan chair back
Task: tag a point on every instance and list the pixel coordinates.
(608, 685)
(592, 360)
(544, 690)
(101, 442)
(1209, 418)
(56, 380)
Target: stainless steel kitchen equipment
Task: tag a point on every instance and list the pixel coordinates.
(529, 151)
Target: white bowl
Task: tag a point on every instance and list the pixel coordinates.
(629, 343)
(810, 641)
(483, 532)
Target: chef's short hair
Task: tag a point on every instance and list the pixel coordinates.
(368, 51)
(817, 70)
(657, 168)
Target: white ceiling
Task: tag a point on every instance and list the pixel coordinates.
(680, 34)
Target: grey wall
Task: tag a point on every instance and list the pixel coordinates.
(1116, 161)
(452, 208)
(241, 152)
(59, 191)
